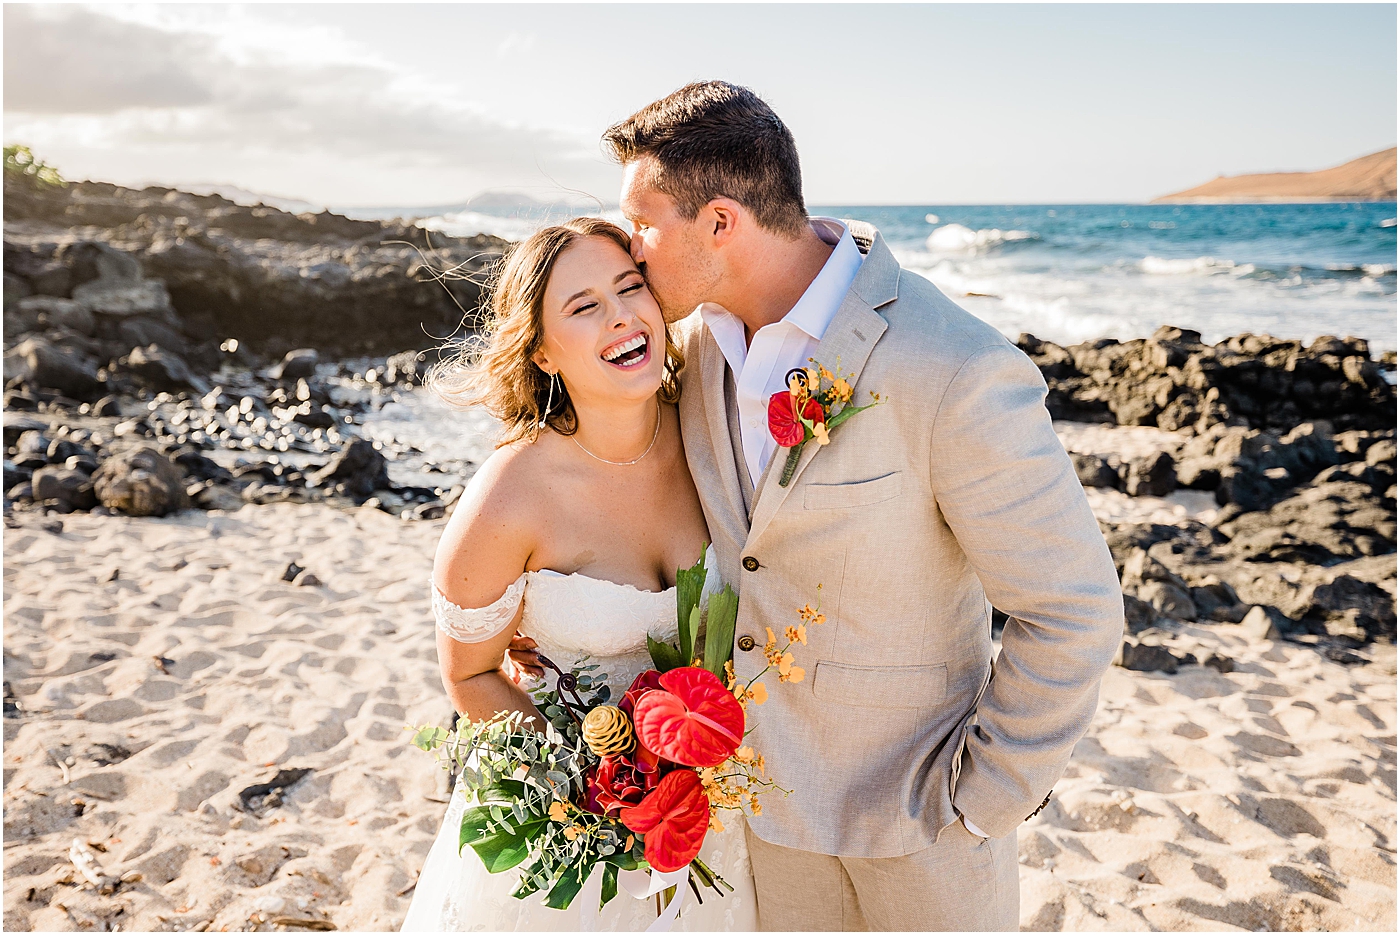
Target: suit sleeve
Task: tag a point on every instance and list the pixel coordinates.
(1010, 495)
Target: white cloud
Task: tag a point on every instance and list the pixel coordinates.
(170, 83)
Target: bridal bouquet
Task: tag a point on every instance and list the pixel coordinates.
(624, 787)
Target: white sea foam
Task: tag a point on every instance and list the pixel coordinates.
(955, 238)
(1378, 269)
(1201, 264)
(1085, 300)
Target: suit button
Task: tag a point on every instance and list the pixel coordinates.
(750, 563)
(746, 642)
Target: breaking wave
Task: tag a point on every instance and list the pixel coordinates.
(955, 238)
(1202, 264)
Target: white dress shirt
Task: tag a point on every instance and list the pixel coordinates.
(761, 366)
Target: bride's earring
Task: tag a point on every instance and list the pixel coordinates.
(549, 405)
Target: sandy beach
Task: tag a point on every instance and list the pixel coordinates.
(159, 669)
(163, 666)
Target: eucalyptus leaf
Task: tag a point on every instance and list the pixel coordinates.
(429, 738)
(531, 881)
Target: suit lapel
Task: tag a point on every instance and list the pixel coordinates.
(712, 376)
(849, 338)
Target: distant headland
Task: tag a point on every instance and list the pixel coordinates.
(1370, 178)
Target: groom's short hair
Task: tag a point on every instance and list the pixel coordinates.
(713, 139)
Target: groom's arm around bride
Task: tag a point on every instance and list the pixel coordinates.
(917, 518)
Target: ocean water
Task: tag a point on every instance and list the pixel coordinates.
(1071, 273)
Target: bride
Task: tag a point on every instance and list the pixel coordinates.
(570, 534)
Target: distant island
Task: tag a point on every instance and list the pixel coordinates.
(1370, 178)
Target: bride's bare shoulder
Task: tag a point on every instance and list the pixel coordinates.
(495, 524)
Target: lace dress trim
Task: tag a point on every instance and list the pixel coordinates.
(479, 624)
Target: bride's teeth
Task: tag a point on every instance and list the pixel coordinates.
(629, 345)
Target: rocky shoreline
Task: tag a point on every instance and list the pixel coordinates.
(1297, 445)
(150, 367)
(145, 331)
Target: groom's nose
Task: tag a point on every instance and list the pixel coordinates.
(637, 256)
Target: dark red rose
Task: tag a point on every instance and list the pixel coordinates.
(616, 783)
(647, 681)
(782, 418)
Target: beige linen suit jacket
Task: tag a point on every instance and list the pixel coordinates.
(954, 492)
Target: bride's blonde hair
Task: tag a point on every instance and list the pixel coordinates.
(495, 369)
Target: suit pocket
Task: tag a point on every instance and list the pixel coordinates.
(881, 686)
(845, 496)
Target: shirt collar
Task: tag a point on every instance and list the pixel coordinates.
(819, 304)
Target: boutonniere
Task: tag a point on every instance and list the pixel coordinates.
(814, 405)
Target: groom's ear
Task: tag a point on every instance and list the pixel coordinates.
(723, 219)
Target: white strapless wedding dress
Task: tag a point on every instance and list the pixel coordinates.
(572, 616)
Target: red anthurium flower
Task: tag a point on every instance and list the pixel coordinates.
(672, 820)
(616, 783)
(782, 418)
(648, 680)
(691, 719)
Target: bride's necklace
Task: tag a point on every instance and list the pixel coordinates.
(654, 435)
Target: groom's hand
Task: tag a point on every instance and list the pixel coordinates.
(521, 656)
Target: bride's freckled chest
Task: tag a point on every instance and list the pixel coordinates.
(628, 526)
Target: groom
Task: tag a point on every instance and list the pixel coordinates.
(913, 757)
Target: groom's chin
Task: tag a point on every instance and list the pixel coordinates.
(673, 315)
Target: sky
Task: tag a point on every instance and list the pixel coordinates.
(430, 104)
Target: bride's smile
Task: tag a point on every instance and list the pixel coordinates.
(629, 352)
